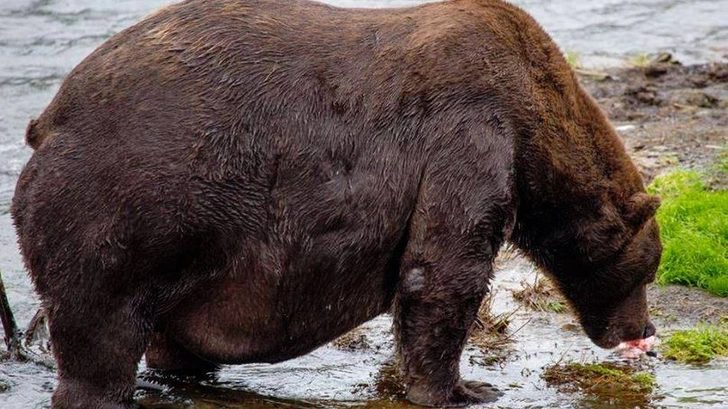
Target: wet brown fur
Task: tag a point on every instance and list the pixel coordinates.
(243, 181)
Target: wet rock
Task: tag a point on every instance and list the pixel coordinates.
(572, 327)
(644, 94)
(665, 58)
(353, 341)
(694, 98)
(655, 70)
(699, 82)
(660, 65)
(718, 72)
(634, 116)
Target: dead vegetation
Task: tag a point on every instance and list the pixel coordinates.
(540, 295)
(492, 334)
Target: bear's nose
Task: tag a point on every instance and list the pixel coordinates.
(649, 330)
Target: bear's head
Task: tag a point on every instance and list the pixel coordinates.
(601, 254)
(607, 286)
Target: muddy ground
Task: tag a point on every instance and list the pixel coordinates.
(668, 114)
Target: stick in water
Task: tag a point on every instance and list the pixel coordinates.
(12, 334)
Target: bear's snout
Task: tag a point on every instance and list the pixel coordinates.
(649, 331)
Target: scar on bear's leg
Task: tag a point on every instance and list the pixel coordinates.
(414, 280)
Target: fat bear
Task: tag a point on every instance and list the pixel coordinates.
(235, 181)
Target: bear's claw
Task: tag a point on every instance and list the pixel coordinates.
(476, 392)
(463, 394)
(149, 385)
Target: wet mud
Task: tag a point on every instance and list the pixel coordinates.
(668, 114)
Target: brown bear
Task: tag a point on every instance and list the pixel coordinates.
(235, 181)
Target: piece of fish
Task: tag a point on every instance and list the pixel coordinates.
(633, 349)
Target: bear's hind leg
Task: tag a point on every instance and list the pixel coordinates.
(98, 341)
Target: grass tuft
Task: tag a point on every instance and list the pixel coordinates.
(619, 384)
(698, 345)
(640, 60)
(694, 230)
(722, 165)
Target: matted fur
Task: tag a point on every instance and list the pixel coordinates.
(243, 181)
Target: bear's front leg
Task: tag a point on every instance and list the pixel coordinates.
(438, 299)
(454, 234)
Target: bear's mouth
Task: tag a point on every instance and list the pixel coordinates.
(611, 340)
(614, 337)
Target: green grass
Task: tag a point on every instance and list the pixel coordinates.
(640, 60)
(723, 162)
(698, 345)
(555, 306)
(604, 379)
(573, 58)
(694, 230)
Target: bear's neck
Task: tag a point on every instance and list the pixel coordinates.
(573, 177)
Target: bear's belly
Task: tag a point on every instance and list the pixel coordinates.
(271, 316)
(326, 259)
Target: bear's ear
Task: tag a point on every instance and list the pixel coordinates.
(640, 207)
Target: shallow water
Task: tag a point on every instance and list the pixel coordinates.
(41, 41)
